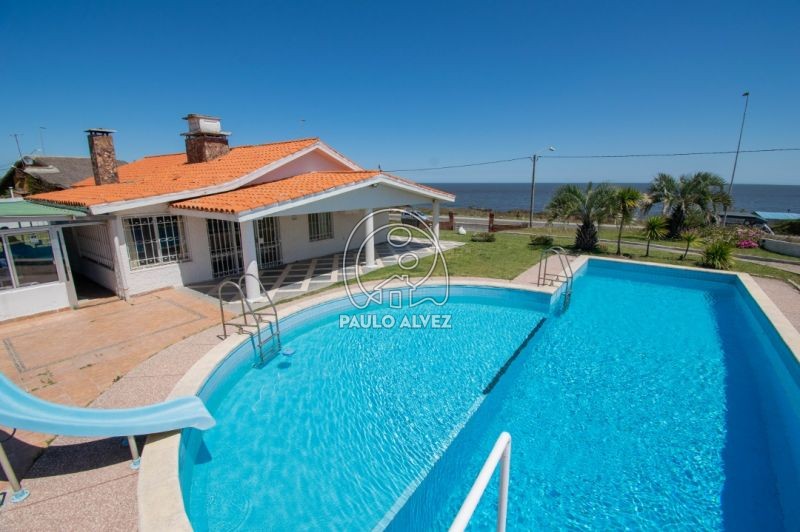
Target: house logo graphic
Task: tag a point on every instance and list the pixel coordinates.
(409, 236)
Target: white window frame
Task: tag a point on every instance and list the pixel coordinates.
(158, 258)
(320, 226)
(12, 267)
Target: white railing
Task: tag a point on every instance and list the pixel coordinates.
(501, 453)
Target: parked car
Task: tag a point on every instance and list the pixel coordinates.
(414, 217)
(749, 220)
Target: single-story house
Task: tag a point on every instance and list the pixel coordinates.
(33, 174)
(213, 211)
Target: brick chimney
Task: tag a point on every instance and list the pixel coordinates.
(104, 160)
(205, 139)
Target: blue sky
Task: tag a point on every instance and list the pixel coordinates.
(407, 84)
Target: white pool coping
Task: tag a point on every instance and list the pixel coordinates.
(160, 501)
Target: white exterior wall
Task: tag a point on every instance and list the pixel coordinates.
(196, 269)
(311, 162)
(791, 249)
(33, 300)
(295, 244)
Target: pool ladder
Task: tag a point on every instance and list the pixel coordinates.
(264, 318)
(550, 279)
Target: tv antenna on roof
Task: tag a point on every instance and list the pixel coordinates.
(16, 139)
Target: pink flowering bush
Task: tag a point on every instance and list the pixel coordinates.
(747, 237)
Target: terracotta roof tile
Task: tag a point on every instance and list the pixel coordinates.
(166, 174)
(290, 188)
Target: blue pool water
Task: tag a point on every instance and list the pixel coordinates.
(658, 400)
(333, 436)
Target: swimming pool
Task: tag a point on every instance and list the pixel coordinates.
(661, 398)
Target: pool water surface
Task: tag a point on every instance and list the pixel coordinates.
(660, 399)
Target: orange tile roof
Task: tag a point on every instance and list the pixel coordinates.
(290, 188)
(165, 174)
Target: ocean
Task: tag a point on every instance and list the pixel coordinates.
(502, 197)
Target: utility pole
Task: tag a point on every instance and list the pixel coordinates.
(533, 187)
(534, 158)
(16, 139)
(736, 157)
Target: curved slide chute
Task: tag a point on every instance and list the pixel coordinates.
(21, 410)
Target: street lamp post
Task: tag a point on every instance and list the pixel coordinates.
(736, 157)
(534, 158)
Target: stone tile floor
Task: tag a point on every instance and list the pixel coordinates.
(72, 357)
(301, 277)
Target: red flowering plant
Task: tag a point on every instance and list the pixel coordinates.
(748, 237)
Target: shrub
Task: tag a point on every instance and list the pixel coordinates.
(787, 227)
(541, 240)
(748, 237)
(483, 237)
(718, 255)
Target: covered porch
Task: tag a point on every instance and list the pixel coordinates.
(306, 276)
(293, 238)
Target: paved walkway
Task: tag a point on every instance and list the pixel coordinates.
(785, 296)
(305, 276)
(72, 357)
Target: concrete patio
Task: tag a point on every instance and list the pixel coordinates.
(72, 357)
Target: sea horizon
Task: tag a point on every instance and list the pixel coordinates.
(509, 196)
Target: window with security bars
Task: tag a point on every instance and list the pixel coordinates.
(320, 226)
(154, 240)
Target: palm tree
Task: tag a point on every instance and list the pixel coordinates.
(690, 237)
(702, 192)
(655, 228)
(660, 188)
(590, 206)
(624, 204)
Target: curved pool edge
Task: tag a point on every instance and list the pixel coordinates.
(160, 499)
(159, 495)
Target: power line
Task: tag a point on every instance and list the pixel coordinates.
(619, 156)
(484, 163)
(679, 154)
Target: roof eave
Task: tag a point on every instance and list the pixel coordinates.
(276, 208)
(105, 208)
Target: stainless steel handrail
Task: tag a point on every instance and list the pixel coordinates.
(246, 309)
(500, 454)
(276, 334)
(264, 293)
(566, 269)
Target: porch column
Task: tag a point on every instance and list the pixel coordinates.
(250, 256)
(369, 243)
(435, 221)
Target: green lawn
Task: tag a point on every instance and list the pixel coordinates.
(505, 258)
(666, 257)
(511, 255)
(635, 235)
